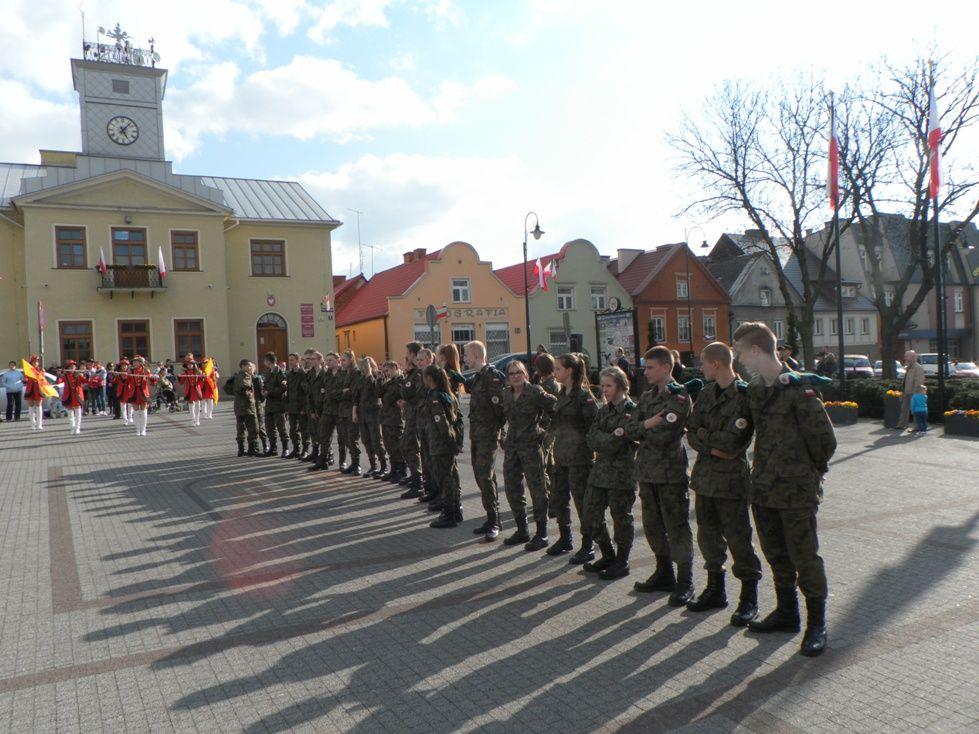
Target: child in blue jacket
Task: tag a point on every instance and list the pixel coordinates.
(919, 409)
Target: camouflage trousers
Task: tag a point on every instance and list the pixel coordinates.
(548, 448)
(570, 484)
(482, 451)
(410, 447)
(392, 443)
(246, 425)
(525, 462)
(791, 546)
(324, 435)
(260, 417)
(298, 429)
(350, 433)
(370, 436)
(431, 482)
(618, 502)
(666, 519)
(723, 524)
(275, 425)
(445, 472)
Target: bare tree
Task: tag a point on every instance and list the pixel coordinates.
(762, 152)
(884, 163)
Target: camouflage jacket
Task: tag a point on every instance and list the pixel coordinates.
(615, 454)
(390, 393)
(369, 402)
(573, 416)
(411, 386)
(486, 403)
(794, 441)
(317, 391)
(244, 392)
(313, 400)
(442, 423)
(258, 385)
(331, 392)
(275, 390)
(296, 385)
(349, 387)
(526, 414)
(720, 420)
(661, 457)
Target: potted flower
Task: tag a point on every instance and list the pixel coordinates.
(892, 408)
(842, 412)
(962, 422)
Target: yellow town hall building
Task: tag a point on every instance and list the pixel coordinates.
(247, 262)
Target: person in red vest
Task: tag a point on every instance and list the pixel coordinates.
(124, 392)
(193, 381)
(73, 394)
(141, 379)
(34, 396)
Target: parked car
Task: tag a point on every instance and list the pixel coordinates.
(929, 363)
(857, 365)
(965, 369)
(502, 361)
(898, 369)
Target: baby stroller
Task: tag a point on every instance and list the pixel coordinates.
(166, 396)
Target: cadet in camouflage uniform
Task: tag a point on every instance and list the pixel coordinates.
(392, 420)
(258, 383)
(574, 412)
(431, 492)
(661, 470)
(348, 382)
(611, 482)
(527, 409)
(410, 448)
(316, 389)
(544, 376)
(275, 405)
(330, 420)
(369, 416)
(794, 441)
(245, 414)
(296, 405)
(486, 420)
(719, 430)
(443, 427)
(313, 367)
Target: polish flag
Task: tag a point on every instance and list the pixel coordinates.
(161, 266)
(101, 266)
(543, 273)
(833, 174)
(934, 145)
(442, 313)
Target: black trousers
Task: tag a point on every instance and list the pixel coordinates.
(14, 399)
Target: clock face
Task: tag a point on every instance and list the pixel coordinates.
(122, 130)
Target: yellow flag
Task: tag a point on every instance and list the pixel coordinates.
(42, 381)
(212, 380)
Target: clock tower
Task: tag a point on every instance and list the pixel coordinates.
(120, 94)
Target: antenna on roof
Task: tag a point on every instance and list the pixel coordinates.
(81, 9)
(360, 246)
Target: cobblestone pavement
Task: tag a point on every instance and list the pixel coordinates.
(161, 584)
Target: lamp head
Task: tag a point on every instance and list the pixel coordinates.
(537, 231)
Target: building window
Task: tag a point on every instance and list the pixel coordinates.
(849, 291)
(565, 298)
(658, 324)
(848, 325)
(497, 339)
(557, 344)
(462, 334)
(888, 298)
(864, 325)
(460, 291)
(128, 247)
(683, 328)
(75, 338)
(682, 291)
(134, 338)
(765, 296)
(777, 329)
(427, 337)
(70, 246)
(269, 258)
(188, 337)
(184, 252)
(833, 327)
(817, 327)
(598, 298)
(120, 86)
(958, 300)
(709, 331)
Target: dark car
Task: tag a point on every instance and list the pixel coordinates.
(857, 365)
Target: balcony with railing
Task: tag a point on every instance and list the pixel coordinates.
(132, 279)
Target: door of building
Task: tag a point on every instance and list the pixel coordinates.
(271, 335)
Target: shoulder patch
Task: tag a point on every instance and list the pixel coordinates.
(675, 388)
(741, 423)
(671, 418)
(495, 399)
(741, 385)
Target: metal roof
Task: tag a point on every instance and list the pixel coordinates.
(252, 198)
(11, 175)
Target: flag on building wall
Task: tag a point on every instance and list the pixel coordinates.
(162, 266)
(101, 266)
(442, 313)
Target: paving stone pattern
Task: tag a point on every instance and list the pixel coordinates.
(161, 584)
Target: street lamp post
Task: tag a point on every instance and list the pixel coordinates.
(536, 232)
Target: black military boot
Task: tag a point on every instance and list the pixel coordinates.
(447, 519)
(520, 536)
(585, 553)
(618, 568)
(292, 454)
(241, 447)
(312, 455)
(285, 449)
(481, 530)
(371, 467)
(436, 504)
(714, 596)
(381, 470)
(329, 458)
(608, 555)
(414, 488)
(563, 544)
(253, 449)
(539, 541)
(814, 640)
(343, 463)
(397, 471)
(353, 469)
(406, 477)
(747, 605)
(265, 447)
(785, 616)
(304, 453)
(321, 462)
(494, 527)
(271, 447)
(683, 591)
(662, 579)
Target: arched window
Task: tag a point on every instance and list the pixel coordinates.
(271, 320)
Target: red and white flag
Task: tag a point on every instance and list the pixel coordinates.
(102, 266)
(543, 272)
(442, 313)
(161, 266)
(833, 174)
(934, 145)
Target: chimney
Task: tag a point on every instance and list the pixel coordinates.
(414, 255)
(626, 256)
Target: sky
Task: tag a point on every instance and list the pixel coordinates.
(445, 120)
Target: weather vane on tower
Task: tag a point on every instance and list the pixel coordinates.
(121, 51)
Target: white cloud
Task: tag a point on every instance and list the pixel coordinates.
(330, 15)
(403, 62)
(56, 124)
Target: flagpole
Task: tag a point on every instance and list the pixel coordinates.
(934, 185)
(835, 201)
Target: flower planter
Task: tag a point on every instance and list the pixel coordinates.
(961, 425)
(842, 415)
(892, 411)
